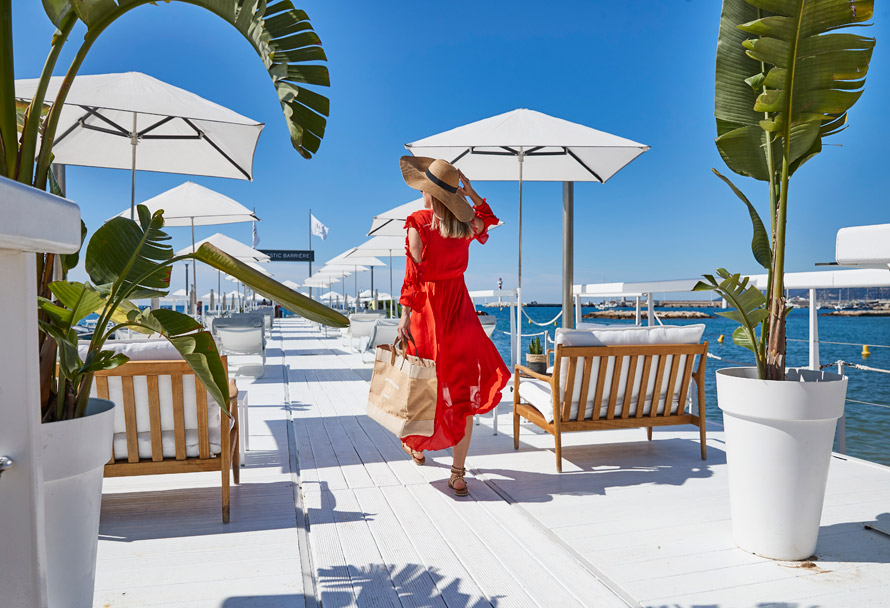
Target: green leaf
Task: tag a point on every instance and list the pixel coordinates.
(56, 10)
(79, 298)
(70, 260)
(66, 340)
(741, 337)
(170, 322)
(200, 352)
(760, 241)
(268, 287)
(130, 254)
(102, 360)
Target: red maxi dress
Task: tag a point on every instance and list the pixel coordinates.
(469, 369)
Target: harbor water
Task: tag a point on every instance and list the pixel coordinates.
(867, 426)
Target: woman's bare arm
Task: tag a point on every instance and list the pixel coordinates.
(415, 244)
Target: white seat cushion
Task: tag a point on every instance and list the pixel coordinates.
(157, 350)
(538, 392)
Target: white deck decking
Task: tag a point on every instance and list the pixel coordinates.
(629, 522)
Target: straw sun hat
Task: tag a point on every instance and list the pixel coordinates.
(440, 179)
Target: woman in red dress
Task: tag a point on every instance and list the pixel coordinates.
(438, 313)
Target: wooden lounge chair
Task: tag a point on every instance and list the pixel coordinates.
(166, 422)
(621, 386)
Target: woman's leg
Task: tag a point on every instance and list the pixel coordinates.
(460, 451)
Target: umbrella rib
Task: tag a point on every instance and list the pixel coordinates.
(459, 156)
(92, 112)
(217, 148)
(155, 126)
(581, 162)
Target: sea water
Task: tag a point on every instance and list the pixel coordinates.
(867, 426)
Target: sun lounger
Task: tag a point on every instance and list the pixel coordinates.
(384, 331)
(624, 377)
(361, 325)
(165, 421)
(243, 340)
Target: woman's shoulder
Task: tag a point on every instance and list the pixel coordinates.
(420, 219)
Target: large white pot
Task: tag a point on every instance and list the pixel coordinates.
(779, 437)
(74, 456)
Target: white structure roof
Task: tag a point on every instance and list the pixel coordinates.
(863, 246)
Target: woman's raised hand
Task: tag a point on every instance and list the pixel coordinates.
(466, 187)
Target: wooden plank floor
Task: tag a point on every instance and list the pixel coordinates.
(162, 541)
(630, 522)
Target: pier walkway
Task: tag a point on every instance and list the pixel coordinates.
(331, 512)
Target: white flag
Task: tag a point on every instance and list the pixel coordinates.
(318, 229)
(256, 237)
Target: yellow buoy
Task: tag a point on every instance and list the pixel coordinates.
(720, 339)
(865, 351)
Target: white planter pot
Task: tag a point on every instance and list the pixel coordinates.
(779, 437)
(74, 457)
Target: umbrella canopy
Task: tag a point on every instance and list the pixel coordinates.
(553, 150)
(179, 294)
(191, 204)
(107, 117)
(353, 259)
(528, 145)
(392, 222)
(236, 249)
(291, 284)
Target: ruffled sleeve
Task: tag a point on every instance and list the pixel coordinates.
(413, 295)
(484, 213)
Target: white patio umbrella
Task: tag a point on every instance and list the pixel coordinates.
(368, 262)
(528, 145)
(190, 204)
(136, 122)
(236, 249)
(291, 284)
(381, 246)
(392, 221)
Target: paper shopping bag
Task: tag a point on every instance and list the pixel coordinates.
(403, 391)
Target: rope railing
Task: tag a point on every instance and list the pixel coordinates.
(718, 358)
(838, 343)
(550, 322)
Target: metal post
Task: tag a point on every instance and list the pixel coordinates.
(842, 421)
(568, 251)
(392, 296)
(134, 141)
(650, 308)
(814, 332)
(577, 309)
(194, 269)
(638, 318)
(310, 249)
(513, 350)
(519, 267)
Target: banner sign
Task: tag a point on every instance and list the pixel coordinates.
(290, 255)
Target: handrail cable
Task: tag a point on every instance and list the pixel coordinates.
(840, 343)
(553, 320)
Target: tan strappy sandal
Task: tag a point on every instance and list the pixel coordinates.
(418, 457)
(457, 473)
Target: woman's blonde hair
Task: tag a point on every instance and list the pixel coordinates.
(447, 223)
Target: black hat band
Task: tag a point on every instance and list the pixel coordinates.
(440, 183)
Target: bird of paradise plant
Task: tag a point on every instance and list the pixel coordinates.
(785, 79)
(127, 259)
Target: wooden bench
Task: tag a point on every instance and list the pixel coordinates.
(618, 385)
(179, 433)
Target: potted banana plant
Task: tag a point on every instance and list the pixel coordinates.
(128, 260)
(785, 79)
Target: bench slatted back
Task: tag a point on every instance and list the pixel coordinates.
(151, 370)
(630, 367)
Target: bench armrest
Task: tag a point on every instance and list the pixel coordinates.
(523, 371)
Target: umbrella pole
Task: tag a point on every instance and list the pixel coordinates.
(133, 143)
(391, 295)
(356, 289)
(195, 273)
(519, 270)
(568, 252)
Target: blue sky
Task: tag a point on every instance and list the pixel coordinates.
(401, 71)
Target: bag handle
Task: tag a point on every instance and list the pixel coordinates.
(400, 342)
